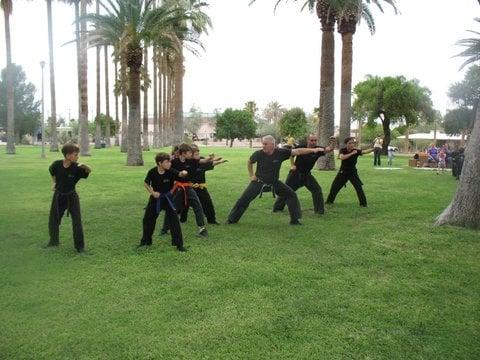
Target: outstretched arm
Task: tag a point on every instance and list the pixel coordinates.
(366, 151)
(305, 151)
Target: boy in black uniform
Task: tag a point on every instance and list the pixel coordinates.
(159, 183)
(185, 195)
(65, 174)
(269, 160)
(348, 172)
(300, 175)
(200, 187)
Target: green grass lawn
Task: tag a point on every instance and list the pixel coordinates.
(374, 283)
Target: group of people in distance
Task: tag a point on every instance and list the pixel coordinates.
(177, 182)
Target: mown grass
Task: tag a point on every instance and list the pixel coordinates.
(374, 283)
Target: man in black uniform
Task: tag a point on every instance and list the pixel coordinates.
(348, 172)
(269, 160)
(159, 183)
(300, 175)
(65, 174)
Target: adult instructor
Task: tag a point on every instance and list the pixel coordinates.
(269, 161)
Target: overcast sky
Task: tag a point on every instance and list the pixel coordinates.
(255, 54)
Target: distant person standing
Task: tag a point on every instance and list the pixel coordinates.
(377, 150)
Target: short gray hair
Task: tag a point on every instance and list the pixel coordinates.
(269, 138)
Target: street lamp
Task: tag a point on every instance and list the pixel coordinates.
(42, 65)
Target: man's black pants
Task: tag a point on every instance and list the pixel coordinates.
(340, 181)
(295, 180)
(254, 189)
(71, 203)
(150, 218)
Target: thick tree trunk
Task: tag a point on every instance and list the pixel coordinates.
(163, 124)
(146, 146)
(107, 99)
(83, 121)
(464, 210)
(346, 86)
(134, 148)
(98, 128)
(9, 78)
(326, 124)
(53, 102)
(386, 134)
(231, 142)
(179, 71)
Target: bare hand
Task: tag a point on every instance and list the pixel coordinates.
(293, 167)
(156, 195)
(253, 178)
(183, 173)
(53, 187)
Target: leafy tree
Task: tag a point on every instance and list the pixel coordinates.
(458, 121)
(26, 109)
(392, 100)
(294, 123)
(466, 92)
(235, 124)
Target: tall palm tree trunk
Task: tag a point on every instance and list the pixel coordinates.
(117, 122)
(146, 146)
(98, 129)
(79, 61)
(155, 98)
(346, 85)
(7, 10)
(134, 148)
(179, 72)
(124, 130)
(171, 109)
(83, 121)
(163, 124)
(53, 102)
(107, 99)
(326, 124)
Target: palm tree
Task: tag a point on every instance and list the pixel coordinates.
(464, 210)
(98, 129)
(53, 103)
(187, 32)
(326, 12)
(348, 15)
(128, 24)
(107, 98)
(7, 7)
(83, 82)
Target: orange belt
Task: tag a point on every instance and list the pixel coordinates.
(183, 186)
(199, 186)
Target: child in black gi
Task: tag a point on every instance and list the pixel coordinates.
(348, 172)
(159, 183)
(184, 194)
(200, 187)
(65, 174)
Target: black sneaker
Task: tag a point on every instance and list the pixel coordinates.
(295, 222)
(229, 222)
(214, 222)
(81, 250)
(163, 232)
(181, 249)
(203, 232)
